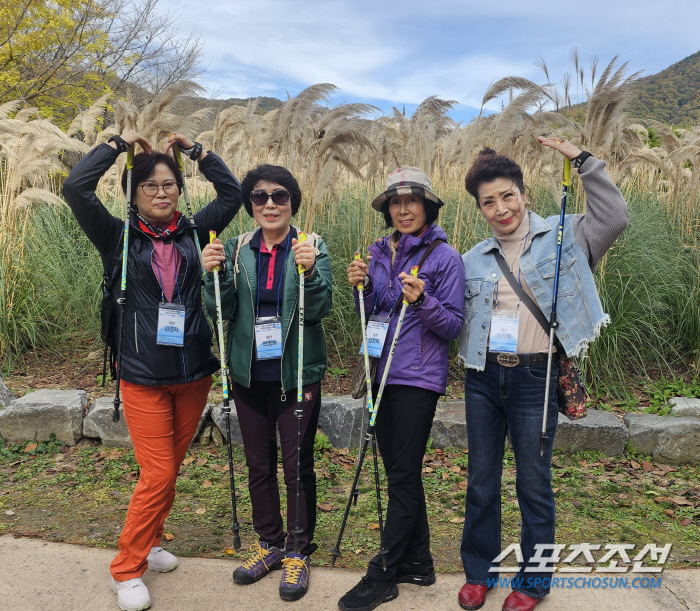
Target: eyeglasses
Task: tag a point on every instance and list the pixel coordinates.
(151, 188)
(279, 197)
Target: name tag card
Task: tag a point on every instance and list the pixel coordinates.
(504, 331)
(268, 337)
(376, 336)
(171, 325)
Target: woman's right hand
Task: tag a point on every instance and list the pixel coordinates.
(131, 136)
(213, 255)
(357, 271)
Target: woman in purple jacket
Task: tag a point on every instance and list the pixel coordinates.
(418, 374)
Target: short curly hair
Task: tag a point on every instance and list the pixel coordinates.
(271, 173)
(490, 166)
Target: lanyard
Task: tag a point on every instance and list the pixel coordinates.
(495, 305)
(284, 265)
(177, 286)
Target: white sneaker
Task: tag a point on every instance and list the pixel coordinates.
(132, 594)
(161, 561)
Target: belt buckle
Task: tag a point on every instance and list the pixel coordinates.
(508, 359)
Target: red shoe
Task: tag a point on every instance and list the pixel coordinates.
(472, 596)
(517, 601)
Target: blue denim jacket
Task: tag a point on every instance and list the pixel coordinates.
(579, 311)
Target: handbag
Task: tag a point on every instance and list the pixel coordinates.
(359, 380)
(571, 389)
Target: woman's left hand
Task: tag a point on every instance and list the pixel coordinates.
(304, 253)
(183, 142)
(563, 146)
(412, 286)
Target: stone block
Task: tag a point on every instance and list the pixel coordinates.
(683, 406)
(341, 420)
(39, 414)
(98, 424)
(450, 425)
(599, 430)
(670, 439)
(219, 418)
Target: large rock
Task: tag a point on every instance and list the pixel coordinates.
(450, 425)
(6, 397)
(670, 439)
(341, 420)
(599, 430)
(98, 424)
(683, 406)
(43, 412)
(219, 418)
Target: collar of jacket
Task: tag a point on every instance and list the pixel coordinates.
(537, 226)
(408, 242)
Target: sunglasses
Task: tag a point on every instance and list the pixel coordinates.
(279, 197)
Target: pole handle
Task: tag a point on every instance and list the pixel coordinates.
(130, 158)
(414, 273)
(178, 156)
(301, 238)
(567, 172)
(360, 286)
(212, 237)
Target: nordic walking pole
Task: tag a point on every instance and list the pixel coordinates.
(190, 216)
(299, 411)
(122, 299)
(368, 395)
(370, 435)
(553, 324)
(226, 408)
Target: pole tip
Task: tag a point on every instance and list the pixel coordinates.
(236, 541)
(334, 556)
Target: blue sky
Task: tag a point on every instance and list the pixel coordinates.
(390, 53)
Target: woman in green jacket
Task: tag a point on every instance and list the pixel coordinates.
(259, 298)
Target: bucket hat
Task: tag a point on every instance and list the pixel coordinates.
(405, 181)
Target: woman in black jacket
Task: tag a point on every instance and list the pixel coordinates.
(165, 377)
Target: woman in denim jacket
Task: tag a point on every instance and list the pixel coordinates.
(502, 397)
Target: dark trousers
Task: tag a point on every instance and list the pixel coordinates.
(502, 400)
(403, 425)
(261, 412)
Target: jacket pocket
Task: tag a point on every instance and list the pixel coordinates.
(471, 303)
(547, 267)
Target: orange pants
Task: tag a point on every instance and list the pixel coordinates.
(162, 421)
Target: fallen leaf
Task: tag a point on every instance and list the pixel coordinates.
(583, 463)
(344, 451)
(457, 520)
(686, 522)
(577, 504)
(359, 550)
(58, 457)
(462, 485)
(186, 509)
(445, 475)
(131, 477)
(168, 536)
(679, 500)
(123, 507)
(337, 490)
(326, 507)
(428, 470)
(374, 526)
(662, 499)
(456, 469)
(229, 551)
(555, 490)
(70, 452)
(206, 484)
(30, 447)
(669, 512)
(647, 466)
(188, 461)
(622, 496)
(202, 461)
(201, 511)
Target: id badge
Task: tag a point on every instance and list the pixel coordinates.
(268, 337)
(171, 325)
(504, 331)
(377, 328)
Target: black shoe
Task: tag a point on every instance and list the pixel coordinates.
(417, 573)
(368, 594)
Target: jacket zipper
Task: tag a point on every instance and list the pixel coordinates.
(136, 337)
(252, 305)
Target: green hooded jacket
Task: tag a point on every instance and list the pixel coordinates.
(238, 286)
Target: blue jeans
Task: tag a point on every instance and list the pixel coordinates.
(502, 400)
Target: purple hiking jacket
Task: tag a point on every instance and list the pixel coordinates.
(421, 352)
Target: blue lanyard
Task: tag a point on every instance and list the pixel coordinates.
(495, 305)
(279, 287)
(177, 286)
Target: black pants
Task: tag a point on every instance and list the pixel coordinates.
(403, 425)
(260, 413)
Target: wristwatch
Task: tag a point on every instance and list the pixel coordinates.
(122, 146)
(578, 161)
(194, 151)
(418, 302)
